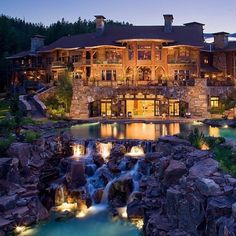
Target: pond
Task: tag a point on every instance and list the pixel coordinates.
(144, 131)
(98, 224)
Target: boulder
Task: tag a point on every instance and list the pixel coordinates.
(191, 213)
(173, 140)
(22, 151)
(234, 210)
(118, 150)
(7, 202)
(5, 164)
(219, 206)
(97, 195)
(174, 171)
(76, 174)
(207, 187)
(135, 209)
(120, 191)
(203, 168)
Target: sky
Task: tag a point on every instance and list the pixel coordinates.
(217, 15)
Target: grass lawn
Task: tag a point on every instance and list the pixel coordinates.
(4, 108)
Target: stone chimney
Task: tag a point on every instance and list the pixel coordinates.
(221, 40)
(168, 23)
(100, 24)
(37, 41)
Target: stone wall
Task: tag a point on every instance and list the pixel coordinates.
(196, 96)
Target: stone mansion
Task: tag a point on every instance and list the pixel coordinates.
(135, 71)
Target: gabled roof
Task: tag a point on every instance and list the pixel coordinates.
(180, 35)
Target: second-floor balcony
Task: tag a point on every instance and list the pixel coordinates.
(139, 83)
(181, 60)
(108, 61)
(58, 64)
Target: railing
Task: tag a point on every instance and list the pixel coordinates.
(181, 60)
(219, 83)
(108, 61)
(133, 83)
(28, 66)
(58, 64)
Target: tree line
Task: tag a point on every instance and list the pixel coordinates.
(15, 35)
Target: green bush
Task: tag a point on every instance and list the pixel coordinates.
(58, 105)
(213, 141)
(5, 144)
(196, 138)
(227, 158)
(7, 125)
(31, 136)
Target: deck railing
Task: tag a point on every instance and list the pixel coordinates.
(133, 83)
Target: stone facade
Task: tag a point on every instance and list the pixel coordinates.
(196, 96)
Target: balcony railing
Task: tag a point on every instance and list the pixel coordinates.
(108, 61)
(181, 60)
(139, 83)
(28, 66)
(219, 83)
(58, 64)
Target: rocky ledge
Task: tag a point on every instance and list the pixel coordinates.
(174, 188)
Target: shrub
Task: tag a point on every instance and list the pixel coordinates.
(5, 144)
(213, 141)
(196, 138)
(7, 125)
(31, 136)
(226, 157)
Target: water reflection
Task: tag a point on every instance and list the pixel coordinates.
(145, 131)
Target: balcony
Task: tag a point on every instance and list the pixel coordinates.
(31, 66)
(59, 64)
(108, 61)
(139, 83)
(181, 60)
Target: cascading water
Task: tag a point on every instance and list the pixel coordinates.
(104, 149)
(78, 150)
(136, 151)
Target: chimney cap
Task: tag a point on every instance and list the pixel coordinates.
(219, 33)
(193, 23)
(169, 16)
(100, 17)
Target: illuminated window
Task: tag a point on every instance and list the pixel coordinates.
(109, 75)
(181, 74)
(184, 52)
(214, 102)
(144, 52)
(206, 60)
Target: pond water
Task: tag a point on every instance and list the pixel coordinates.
(98, 224)
(147, 131)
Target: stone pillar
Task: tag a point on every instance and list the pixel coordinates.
(79, 104)
(198, 98)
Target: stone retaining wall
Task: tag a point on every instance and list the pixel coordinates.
(196, 96)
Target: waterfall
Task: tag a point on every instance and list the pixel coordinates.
(106, 191)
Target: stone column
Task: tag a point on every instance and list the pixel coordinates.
(79, 104)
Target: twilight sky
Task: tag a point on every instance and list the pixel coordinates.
(217, 15)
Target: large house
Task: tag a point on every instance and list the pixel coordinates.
(138, 71)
